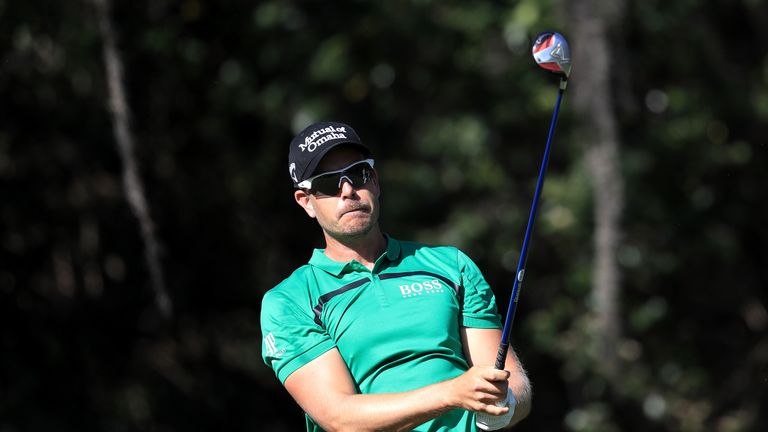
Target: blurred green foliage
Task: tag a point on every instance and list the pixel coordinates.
(447, 94)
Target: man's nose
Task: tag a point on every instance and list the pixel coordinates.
(347, 188)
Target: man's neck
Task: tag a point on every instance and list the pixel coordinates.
(365, 250)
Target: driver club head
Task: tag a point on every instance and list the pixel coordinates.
(551, 52)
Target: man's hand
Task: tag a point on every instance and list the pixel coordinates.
(480, 389)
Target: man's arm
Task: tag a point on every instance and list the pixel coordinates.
(481, 347)
(325, 390)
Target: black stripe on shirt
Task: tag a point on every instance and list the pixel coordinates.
(327, 296)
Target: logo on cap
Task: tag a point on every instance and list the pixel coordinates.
(292, 171)
(321, 136)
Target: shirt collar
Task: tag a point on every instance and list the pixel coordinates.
(393, 248)
(336, 268)
(321, 261)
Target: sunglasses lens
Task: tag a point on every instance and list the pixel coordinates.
(329, 184)
(326, 185)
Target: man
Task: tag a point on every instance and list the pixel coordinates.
(376, 333)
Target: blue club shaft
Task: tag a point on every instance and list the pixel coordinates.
(504, 345)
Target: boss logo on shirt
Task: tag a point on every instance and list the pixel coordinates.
(421, 288)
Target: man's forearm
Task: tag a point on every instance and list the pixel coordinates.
(475, 390)
(325, 391)
(389, 411)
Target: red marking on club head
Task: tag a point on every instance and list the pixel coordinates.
(544, 44)
(551, 66)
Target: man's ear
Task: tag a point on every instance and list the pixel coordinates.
(376, 181)
(304, 200)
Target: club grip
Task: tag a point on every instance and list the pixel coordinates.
(501, 356)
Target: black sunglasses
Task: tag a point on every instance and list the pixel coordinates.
(329, 183)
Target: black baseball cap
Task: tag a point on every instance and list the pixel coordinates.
(312, 143)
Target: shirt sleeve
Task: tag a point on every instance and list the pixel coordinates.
(291, 337)
(479, 304)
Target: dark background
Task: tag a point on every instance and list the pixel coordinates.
(448, 95)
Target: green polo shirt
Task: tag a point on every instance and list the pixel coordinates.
(396, 326)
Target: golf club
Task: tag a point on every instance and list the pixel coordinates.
(551, 52)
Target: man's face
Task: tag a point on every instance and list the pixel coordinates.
(354, 210)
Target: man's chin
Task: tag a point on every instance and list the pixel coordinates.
(352, 232)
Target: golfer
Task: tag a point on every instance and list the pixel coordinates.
(375, 333)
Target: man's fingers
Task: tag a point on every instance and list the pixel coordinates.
(489, 395)
(493, 374)
(480, 389)
(495, 382)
